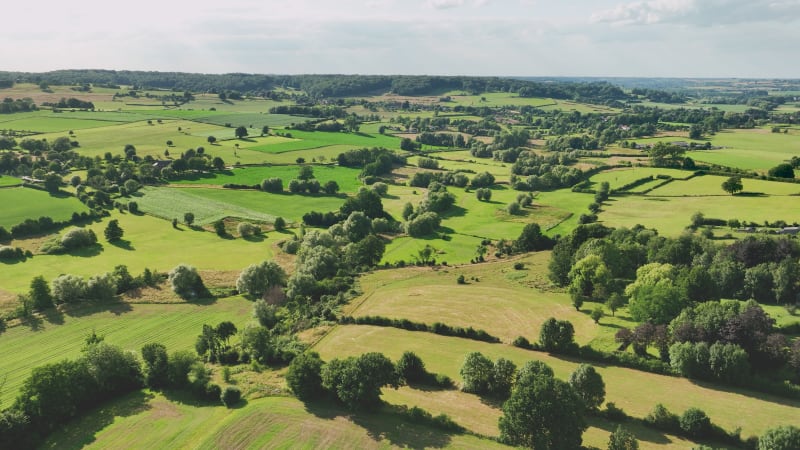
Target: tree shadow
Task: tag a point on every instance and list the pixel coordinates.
(254, 238)
(124, 244)
(87, 252)
(640, 431)
(53, 316)
(454, 211)
(83, 431)
(33, 322)
(747, 393)
(116, 308)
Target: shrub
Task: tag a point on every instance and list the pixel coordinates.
(68, 289)
(557, 336)
(695, 423)
(589, 385)
(213, 391)
(461, 279)
(622, 439)
(411, 368)
(519, 265)
(231, 396)
(522, 342)
(185, 281)
(476, 373)
(780, 438)
(662, 419)
(279, 224)
(256, 279)
(219, 228)
(246, 229)
(514, 208)
(78, 238)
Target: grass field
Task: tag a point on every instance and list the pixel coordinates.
(345, 177)
(23, 203)
(6, 181)
(147, 420)
(634, 391)
(671, 215)
(209, 204)
(130, 326)
(503, 301)
(148, 242)
(619, 177)
(316, 139)
(711, 185)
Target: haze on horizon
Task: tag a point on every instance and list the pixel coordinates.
(645, 38)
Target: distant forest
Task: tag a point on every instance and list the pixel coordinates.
(322, 86)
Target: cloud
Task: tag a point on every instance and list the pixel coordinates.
(448, 4)
(699, 12)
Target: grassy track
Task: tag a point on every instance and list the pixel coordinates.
(129, 326)
(21, 203)
(634, 391)
(209, 204)
(345, 177)
(145, 420)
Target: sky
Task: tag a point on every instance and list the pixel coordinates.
(603, 38)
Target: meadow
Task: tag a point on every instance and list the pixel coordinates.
(634, 391)
(212, 204)
(148, 242)
(57, 336)
(9, 181)
(315, 139)
(151, 420)
(21, 203)
(345, 177)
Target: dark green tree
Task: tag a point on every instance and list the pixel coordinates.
(304, 376)
(622, 439)
(476, 373)
(39, 294)
(557, 336)
(357, 381)
(732, 185)
(589, 386)
(780, 438)
(113, 231)
(188, 218)
(241, 132)
(156, 363)
(784, 170)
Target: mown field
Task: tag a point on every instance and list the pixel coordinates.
(59, 336)
(22, 203)
(143, 420)
(634, 391)
(9, 181)
(211, 204)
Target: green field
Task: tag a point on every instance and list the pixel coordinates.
(634, 391)
(24, 203)
(130, 326)
(345, 177)
(711, 185)
(617, 178)
(147, 420)
(148, 242)
(209, 205)
(316, 139)
(6, 181)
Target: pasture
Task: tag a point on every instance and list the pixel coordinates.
(57, 335)
(634, 391)
(6, 181)
(19, 203)
(150, 420)
(345, 177)
(617, 178)
(711, 185)
(212, 204)
(315, 139)
(148, 242)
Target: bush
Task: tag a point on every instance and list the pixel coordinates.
(514, 208)
(780, 438)
(476, 373)
(213, 391)
(279, 224)
(77, 238)
(557, 336)
(695, 423)
(231, 396)
(186, 282)
(68, 289)
(522, 342)
(662, 419)
(246, 229)
(219, 228)
(411, 368)
(461, 279)
(257, 279)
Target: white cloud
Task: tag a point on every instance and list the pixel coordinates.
(699, 12)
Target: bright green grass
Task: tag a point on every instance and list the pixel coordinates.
(501, 172)
(671, 215)
(568, 201)
(502, 301)
(247, 156)
(634, 391)
(711, 185)
(315, 139)
(148, 139)
(129, 326)
(345, 177)
(22, 203)
(253, 121)
(6, 181)
(756, 149)
(209, 205)
(459, 249)
(620, 177)
(148, 420)
(54, 124)
(151, 243)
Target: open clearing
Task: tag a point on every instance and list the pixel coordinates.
(22, 203)
(634, 391)
(130, 326)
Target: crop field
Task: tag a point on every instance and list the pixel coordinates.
(634, 391)
(209, 205)
(345, 177)
(130, 326)
(148, 242)
(22, 203)
(671, 215)
(150, 420)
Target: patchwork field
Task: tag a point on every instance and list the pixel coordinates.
(345, 177)
(22, 203)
